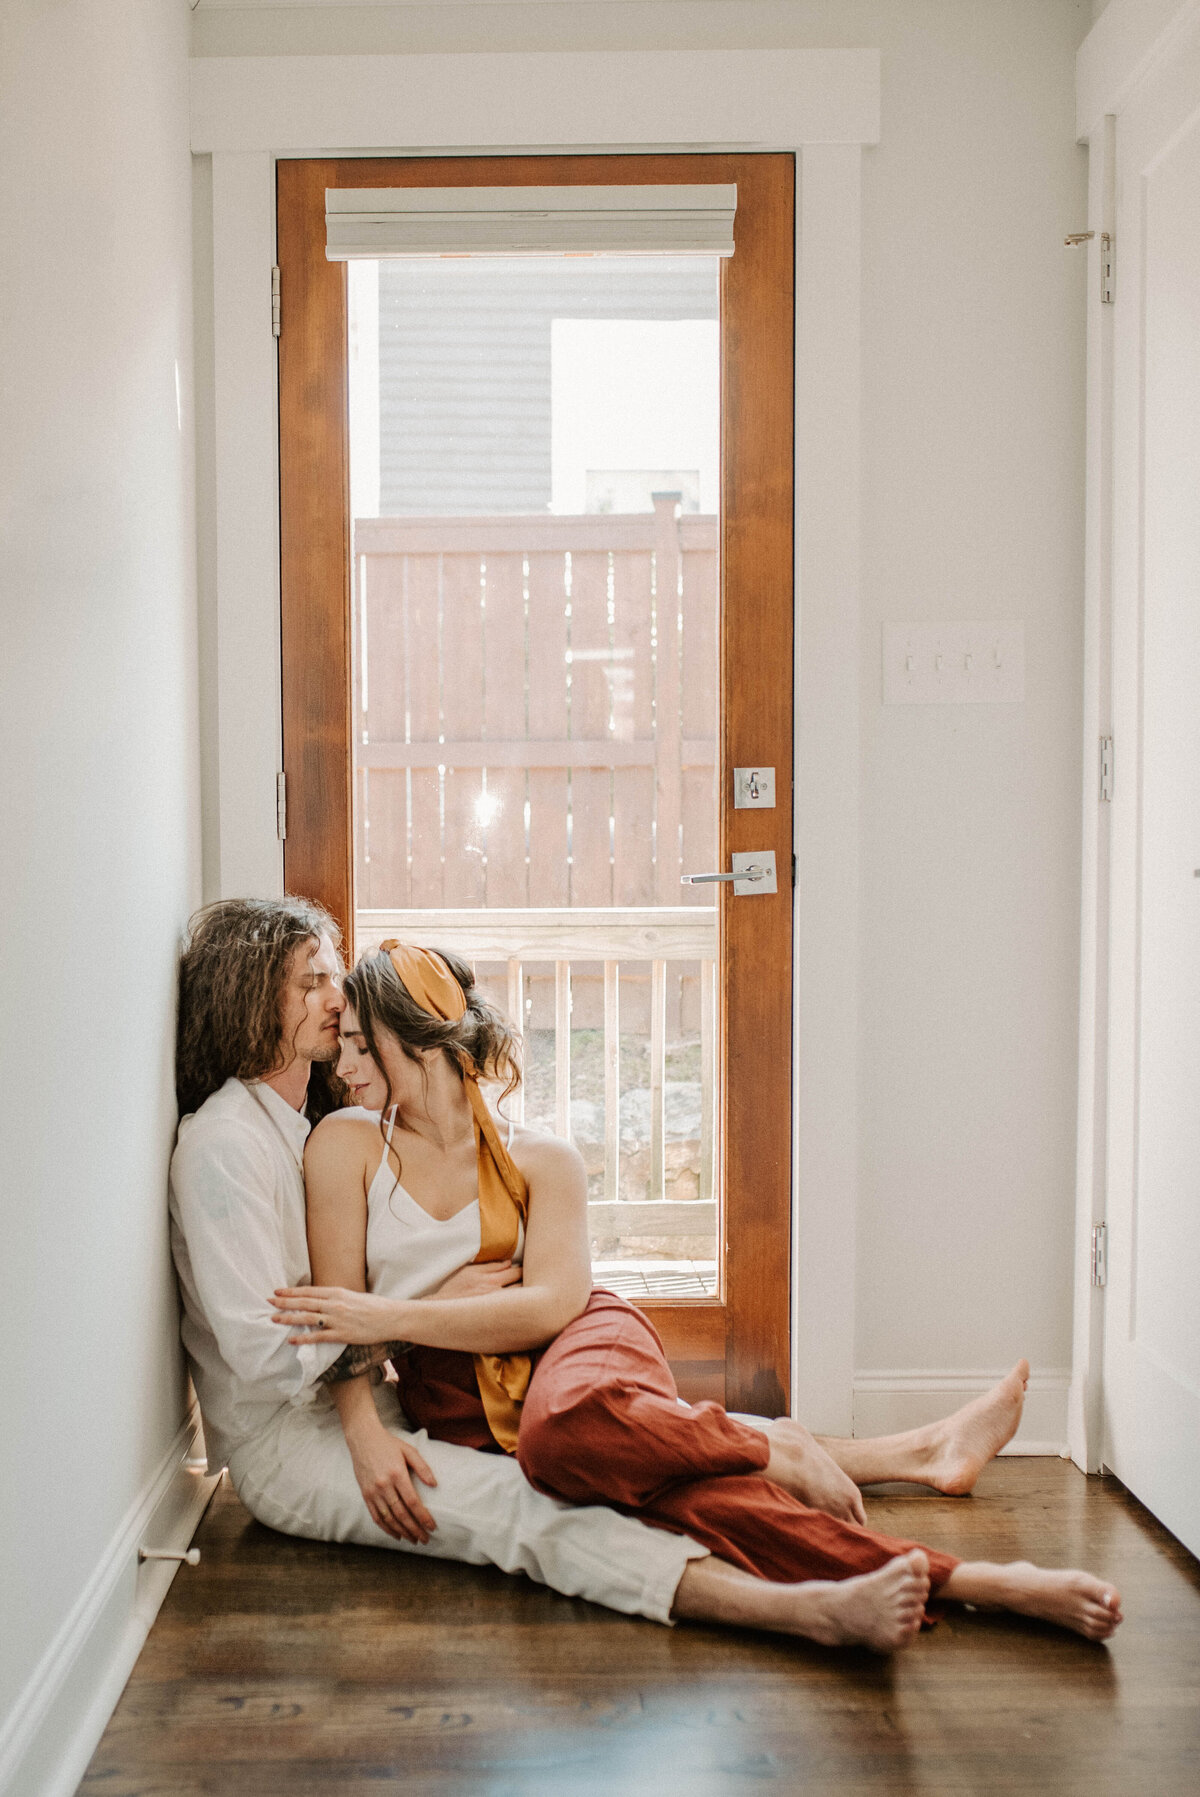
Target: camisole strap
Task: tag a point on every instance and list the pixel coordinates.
(391, 1126)
(508, 1141)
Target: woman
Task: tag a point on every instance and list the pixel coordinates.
(479, 1259)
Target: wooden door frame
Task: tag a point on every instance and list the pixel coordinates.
(742, 1346)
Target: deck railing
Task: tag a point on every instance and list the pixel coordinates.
(654, 941)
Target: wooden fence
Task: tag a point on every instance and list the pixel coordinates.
(535, 709)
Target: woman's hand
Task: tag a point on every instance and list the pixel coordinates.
(478, 1279)
(333, 1313)
(383, 1466)
(801, 1465)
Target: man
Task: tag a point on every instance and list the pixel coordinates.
(260, 1002)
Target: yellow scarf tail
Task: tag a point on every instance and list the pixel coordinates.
(503, 1195)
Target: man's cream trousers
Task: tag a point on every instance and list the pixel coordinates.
(297, 1477)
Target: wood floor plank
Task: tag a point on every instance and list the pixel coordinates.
(284, 1668)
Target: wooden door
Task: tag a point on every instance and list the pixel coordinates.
(733, 1345)
(1152, 1316)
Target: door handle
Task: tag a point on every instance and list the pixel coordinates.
(753, 873)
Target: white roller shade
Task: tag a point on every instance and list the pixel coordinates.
(367, 222)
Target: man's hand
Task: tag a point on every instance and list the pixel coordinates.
(333, 1313)
(479, 1279)
(383, 1466)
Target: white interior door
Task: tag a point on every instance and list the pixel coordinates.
(1152, 1311)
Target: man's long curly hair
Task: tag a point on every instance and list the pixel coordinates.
(232, 976)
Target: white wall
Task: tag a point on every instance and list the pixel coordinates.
(99, 805)
(973, 491)
(972, 429)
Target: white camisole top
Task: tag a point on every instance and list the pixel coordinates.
(410, 1253)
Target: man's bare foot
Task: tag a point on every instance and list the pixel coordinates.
(881, 1610)
(800, 1465)
(961, 1446)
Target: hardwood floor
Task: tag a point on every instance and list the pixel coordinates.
(284, 1668)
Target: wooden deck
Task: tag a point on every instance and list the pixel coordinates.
(282, 1668)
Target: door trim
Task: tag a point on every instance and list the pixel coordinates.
(1127, 44)
(1084, 1402)
(513, 103)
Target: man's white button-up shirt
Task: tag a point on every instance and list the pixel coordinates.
(237, 1232)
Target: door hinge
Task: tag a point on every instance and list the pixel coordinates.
(1100, 1254)
(274, 302)
(1106, 768)
(1106, 260)
(281, 807)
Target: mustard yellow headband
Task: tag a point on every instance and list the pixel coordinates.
(427, 979)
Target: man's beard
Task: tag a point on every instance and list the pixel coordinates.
(327, 1052)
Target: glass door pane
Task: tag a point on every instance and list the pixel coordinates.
(535, 483)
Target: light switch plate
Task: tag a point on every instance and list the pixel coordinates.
(954, 664)
(741, 864)
(754, 789)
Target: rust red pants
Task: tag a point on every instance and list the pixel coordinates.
(603, 1424)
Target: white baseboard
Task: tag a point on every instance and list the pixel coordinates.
(889, 1401)
(51, 1732)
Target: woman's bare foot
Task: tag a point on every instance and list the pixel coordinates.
(881, 1610)
(800, 1465)
(961, 1446)
(1075, 1600)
